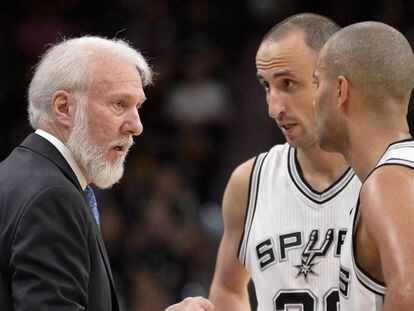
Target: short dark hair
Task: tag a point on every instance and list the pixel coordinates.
(376, 58)
(315, 28)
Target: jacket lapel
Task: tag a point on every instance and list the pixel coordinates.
(43, 147)
(103, 253)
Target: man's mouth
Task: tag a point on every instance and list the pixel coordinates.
(288, 126)
(122, 146)
(121, 150)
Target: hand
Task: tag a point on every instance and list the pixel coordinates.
(192, 304)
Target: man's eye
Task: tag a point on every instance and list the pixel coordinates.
(266, 85)
(119, 104)
(288, 83)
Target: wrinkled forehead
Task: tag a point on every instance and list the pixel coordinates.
(111, 76)
(111, 69)
(290, 53)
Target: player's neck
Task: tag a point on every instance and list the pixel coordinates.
(319, 168)
(367, 148)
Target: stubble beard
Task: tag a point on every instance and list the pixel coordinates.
(332, 137)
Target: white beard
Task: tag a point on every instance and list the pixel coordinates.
(92, 157)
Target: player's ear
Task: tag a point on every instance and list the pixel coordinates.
(63, 108)
(342, 93)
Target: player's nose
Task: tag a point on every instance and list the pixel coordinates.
(276, 105)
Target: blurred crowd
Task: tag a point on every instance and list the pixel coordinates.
(205, 114)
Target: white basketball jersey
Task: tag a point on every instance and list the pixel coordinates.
(293, 234)
(359, 290)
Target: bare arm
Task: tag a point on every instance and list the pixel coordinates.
(387, 206)
(229, 288)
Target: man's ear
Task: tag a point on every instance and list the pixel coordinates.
(343, 93)
(63, 108)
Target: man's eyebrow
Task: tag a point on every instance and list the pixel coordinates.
(278, 74)
(124, 94)
(283, 73)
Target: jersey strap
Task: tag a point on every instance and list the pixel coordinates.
(399, 153)
(368, 281)
(251, 205)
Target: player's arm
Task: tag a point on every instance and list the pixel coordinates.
(229, 288)
(387, 205)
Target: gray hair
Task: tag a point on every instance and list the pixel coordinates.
(65, 66)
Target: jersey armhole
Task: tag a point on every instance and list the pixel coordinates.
(364, 278)
(254, 182)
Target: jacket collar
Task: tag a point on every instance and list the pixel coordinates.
(43, 147)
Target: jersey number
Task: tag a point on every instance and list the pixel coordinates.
(305, 300)
(344, 281)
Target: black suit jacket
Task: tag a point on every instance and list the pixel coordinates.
(52, 256)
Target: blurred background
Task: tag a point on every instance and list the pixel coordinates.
(204, 116)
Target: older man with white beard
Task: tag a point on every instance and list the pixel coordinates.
(83, 104)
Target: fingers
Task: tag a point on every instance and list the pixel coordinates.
(199, 303)
(192, 304)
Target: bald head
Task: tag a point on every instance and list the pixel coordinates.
(316, 29)
(375, 58)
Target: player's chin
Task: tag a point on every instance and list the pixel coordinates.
(295, 143)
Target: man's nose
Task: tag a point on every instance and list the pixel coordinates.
(276, 105)
(133, 125)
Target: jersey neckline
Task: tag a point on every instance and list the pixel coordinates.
(317, 197)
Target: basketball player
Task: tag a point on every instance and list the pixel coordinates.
(285, 211)
(365, 75)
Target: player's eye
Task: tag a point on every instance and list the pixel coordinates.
(266, 85)
(287, 83)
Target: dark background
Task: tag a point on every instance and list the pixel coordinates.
(205, 114)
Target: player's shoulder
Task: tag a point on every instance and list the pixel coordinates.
(242, 172)
(238, 184)
(236, 196)
(386, 175)
(388, 181)
(275, 151)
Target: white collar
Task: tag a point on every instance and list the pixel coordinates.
(66, 154)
